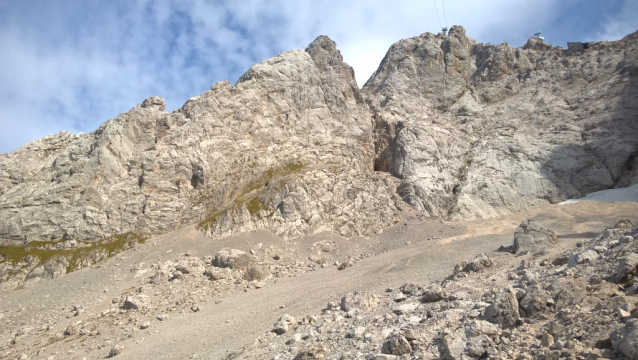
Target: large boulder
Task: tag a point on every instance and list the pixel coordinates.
(232, 258)
(532, 236)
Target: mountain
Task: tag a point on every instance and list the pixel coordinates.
(446, 128)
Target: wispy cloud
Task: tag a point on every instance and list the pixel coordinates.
(70, 65)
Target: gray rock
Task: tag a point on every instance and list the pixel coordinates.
(283, 324)
(133, 302)
(314, 352)
(582, 257)
(477, 263)
(534, 301)
(504, 310)
(116, 350)
(532, 236)
(453, 345)
(626, 266)
(433, 294)
(397, 344)
(481, 327)
(71, 330)
(232, 258)
(255, 273)
(625, 339)
(346, 264)
(159, 277)
(358, 300)
(215, 274)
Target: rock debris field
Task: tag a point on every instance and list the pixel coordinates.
(421, 290)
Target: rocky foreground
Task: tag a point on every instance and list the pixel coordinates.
(531, 294)
(581, 304)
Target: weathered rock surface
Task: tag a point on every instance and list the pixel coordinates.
(477, 131)
(287, 148)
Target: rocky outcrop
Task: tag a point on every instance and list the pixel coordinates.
(532, 236)
(287, 148)
(477, 131)
(454, 128)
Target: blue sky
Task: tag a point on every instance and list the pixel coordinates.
(71, 65)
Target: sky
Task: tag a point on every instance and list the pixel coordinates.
(72, 65)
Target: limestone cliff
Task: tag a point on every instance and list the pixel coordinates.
(477, 131)
(454, 128)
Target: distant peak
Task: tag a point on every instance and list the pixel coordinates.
(324, 52)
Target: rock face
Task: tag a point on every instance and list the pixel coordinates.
(532, 236)
(287, 148)
(454, 128)
(477, 131)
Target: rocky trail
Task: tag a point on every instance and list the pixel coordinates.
(122, 305)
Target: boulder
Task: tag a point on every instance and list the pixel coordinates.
(504, 310)
(532, 236)
(283, 324)
(626, 266)
(583, 257)
(625, 339)
(358, 300)
(397, 344)
(232, 258)
(255, 273)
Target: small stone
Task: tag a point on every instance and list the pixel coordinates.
(162, 317)
(116, 350)
(71, 330)
(356, 332)
(194, 308)
(283, 324)
(145, 325)
(133, 302)
(346, 264)
(397, 344)
(555, 328)
(547, 340)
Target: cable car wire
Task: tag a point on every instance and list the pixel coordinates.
(444, 16)
(437, 13)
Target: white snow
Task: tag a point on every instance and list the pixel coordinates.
(629, 194)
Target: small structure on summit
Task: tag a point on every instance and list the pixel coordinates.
(574, 48)
(537, 42)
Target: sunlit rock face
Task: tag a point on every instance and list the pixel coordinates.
(446, 127)
(477, 131)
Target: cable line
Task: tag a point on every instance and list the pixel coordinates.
(444, 17)
(437, 13)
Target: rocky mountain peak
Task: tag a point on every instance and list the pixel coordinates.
(154, 102)
(324, 52)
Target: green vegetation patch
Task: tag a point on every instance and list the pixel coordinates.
(249, 195)
(86, 252)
